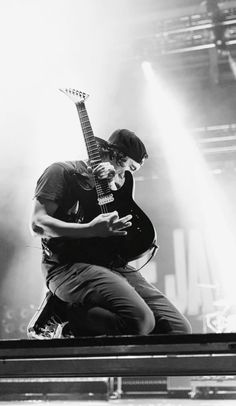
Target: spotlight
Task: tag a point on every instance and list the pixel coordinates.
(200, 199)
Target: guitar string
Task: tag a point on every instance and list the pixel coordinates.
(92, 151)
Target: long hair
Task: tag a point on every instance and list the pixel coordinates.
(107, 150)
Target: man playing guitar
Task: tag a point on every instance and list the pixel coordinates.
(92, 289)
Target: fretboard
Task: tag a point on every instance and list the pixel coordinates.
(103, 191)
(90, 141)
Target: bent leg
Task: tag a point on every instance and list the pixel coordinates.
(169, 320)
(103, 302)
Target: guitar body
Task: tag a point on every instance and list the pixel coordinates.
(117, 251)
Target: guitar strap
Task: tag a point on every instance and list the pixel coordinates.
(154, 249)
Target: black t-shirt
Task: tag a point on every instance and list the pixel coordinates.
(63, 182)
(71, 185)
(58, 181)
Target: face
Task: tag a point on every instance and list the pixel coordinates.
(127, 164)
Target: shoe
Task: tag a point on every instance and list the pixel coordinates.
(66, 331)
(49, 319)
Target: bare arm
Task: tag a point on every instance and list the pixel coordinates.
(46, 225)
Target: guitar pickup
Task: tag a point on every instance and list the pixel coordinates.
(105, 199)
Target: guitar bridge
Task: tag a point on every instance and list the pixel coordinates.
(105, 199)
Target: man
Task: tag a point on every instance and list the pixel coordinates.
(90, 295)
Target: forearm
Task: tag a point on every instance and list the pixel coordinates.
(47, 226)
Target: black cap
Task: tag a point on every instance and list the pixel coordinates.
(127, 142)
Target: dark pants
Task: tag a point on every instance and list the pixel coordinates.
(115, 302)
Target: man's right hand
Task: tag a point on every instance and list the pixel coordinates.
(109, 224)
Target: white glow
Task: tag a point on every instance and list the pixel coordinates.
(45, 45)
(198, 194)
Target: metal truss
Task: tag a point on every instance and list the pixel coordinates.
(192, 33)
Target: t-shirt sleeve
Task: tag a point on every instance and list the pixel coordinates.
(52, 183)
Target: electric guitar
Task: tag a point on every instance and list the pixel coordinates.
(141, 236)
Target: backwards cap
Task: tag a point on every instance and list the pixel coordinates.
(127, 142)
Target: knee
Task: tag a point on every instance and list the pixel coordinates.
(166, 326)
(185, 327)
(145, 323)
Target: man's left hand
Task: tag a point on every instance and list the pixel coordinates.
(105, 170)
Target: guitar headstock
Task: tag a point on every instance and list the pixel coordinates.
(75, 95)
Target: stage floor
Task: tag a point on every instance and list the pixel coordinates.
(63, 372)
(127, 402)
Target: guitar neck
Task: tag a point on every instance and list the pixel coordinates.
(102, 187)
(90, 141)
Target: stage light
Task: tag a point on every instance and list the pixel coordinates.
(200, 199)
